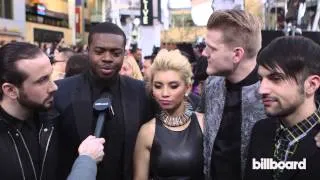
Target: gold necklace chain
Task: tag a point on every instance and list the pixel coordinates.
(175, 121)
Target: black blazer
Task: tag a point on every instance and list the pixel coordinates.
(262, 146)
(74, 106)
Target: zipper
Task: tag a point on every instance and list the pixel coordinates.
(16, 148)
(45, 153)
(39, 135)
(30, 158)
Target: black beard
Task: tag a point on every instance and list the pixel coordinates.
(27, 103)
(283, 113)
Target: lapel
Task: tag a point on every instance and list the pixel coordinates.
(48, 117)
(215, 102)
(215, 92)
(130, 109)
(266, 145)
(306, 149)
(252, 110)
(82, 108)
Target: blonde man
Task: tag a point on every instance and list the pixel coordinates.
(230, 100)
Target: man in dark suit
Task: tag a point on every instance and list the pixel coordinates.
(76, 95)
(289, 70)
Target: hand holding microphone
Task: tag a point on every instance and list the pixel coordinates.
(92, 147)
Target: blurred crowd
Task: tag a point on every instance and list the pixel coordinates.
(210, 110)
(71, 60)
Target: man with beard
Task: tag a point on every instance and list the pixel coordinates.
(289, 70)
(26, 88)
(27, 137)
(77, 119)
(230, 101)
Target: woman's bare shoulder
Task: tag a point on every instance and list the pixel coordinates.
(146, 133)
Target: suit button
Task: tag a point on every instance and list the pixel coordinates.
(45, 129)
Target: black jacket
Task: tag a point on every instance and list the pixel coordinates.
(262, 146)
(11, 167)
(74, 105)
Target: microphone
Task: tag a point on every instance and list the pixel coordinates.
(102, 105)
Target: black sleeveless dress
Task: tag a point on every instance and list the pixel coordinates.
(177, 155)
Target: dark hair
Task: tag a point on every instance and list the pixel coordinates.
(187, 55)
(77, 64)
(149, 58)
(153, 55)
(296, 56)
(10, 54)
(106, 27)
(133, 48)
(65, 50)
(199, 69)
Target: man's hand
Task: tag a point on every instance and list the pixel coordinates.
(92, 147)
(317, 138)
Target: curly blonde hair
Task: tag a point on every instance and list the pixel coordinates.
(171, 60)
(136, 73)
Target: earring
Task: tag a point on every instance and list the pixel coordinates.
(186, 95)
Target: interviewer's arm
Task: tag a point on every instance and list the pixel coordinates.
(90, 153)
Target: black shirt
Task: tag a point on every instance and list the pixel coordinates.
(226, 162)
(25, 135)
(112, 164)
(177, 154)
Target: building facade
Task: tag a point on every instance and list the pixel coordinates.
(49, 21)
(12, 20)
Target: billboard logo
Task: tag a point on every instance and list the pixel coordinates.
(269, 163)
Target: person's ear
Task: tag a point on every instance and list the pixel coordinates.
(311, 84)
(10, 90)
(188, 89)
(238, 54)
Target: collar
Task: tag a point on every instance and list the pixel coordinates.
(17, 123)
(101, 84)
(302, 128)
(249, 80)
